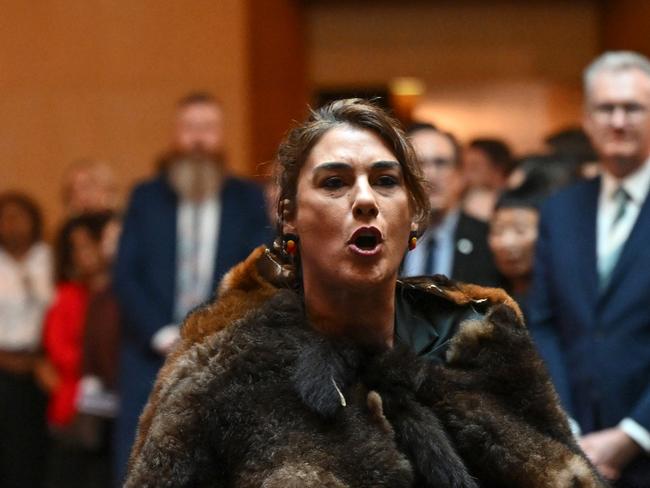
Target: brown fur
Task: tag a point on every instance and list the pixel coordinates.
(492, 398)
(493, 295)
(240, 290)
(493, 379)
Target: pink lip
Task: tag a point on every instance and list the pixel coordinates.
(366, 252)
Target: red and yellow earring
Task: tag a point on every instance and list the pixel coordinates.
(290, 244)
(413, 240)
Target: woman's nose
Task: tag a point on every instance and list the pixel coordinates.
(365, 203)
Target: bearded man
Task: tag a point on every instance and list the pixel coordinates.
(183, 230)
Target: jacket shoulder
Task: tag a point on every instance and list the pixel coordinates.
(69, 290)
(565, 198)
(248, 197)
(243, 188)
(469, 223)
(151, 188)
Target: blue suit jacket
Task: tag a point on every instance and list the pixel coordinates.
(596, 343)
(145, 275)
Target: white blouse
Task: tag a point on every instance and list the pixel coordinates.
(26, 288)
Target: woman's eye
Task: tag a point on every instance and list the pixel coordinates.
(387, 180)
(333, 182)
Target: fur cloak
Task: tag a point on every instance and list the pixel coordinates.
(253, 397)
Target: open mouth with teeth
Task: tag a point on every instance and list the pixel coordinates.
(366, 241)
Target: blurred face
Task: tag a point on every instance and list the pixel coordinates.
(87, 257)
(477, 168)
(435, 153)
(199, 127)
(16, 228)
(513, 233)
(87, 190)
(352, 212)
(617, 120)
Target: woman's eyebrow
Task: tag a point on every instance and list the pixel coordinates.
(332, 165)
(386, 165)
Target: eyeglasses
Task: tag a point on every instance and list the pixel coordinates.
(632, 111)
(439, 163)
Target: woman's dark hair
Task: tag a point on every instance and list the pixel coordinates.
(358, 113)
(572, 143)
(497, 152)
(524, 196)
(94, 223)
(543, 176)
(29, 206)
(550, 171)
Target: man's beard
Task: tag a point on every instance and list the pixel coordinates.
(194, 176)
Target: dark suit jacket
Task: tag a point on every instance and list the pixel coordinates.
(596, 343)
(472, 259)
(145, 275)
(477, 265)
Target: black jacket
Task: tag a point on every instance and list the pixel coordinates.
(473, 262)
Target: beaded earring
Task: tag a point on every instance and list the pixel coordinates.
(413, 240)
(290, 242)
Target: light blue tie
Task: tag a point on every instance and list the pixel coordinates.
(608, 262)
(622, 198)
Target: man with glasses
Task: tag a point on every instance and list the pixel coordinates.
(590, 310)
(454, 244)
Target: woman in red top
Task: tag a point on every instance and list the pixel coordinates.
(63, 337)
(81, 269)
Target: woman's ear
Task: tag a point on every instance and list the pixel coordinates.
(288, 228)
(287, 214)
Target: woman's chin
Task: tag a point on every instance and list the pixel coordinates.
(367, 275)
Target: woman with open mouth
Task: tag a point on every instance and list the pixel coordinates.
(316, 366)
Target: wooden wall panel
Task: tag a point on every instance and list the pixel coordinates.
(501, 68)
(626, 25)
(99, 78)
(278, 79)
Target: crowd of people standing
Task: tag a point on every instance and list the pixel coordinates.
(85, 325)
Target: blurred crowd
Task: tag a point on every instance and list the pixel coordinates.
(86, 322)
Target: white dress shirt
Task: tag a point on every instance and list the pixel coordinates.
(636, 185)
(611, 238)
(25, 292)
(197, 235)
